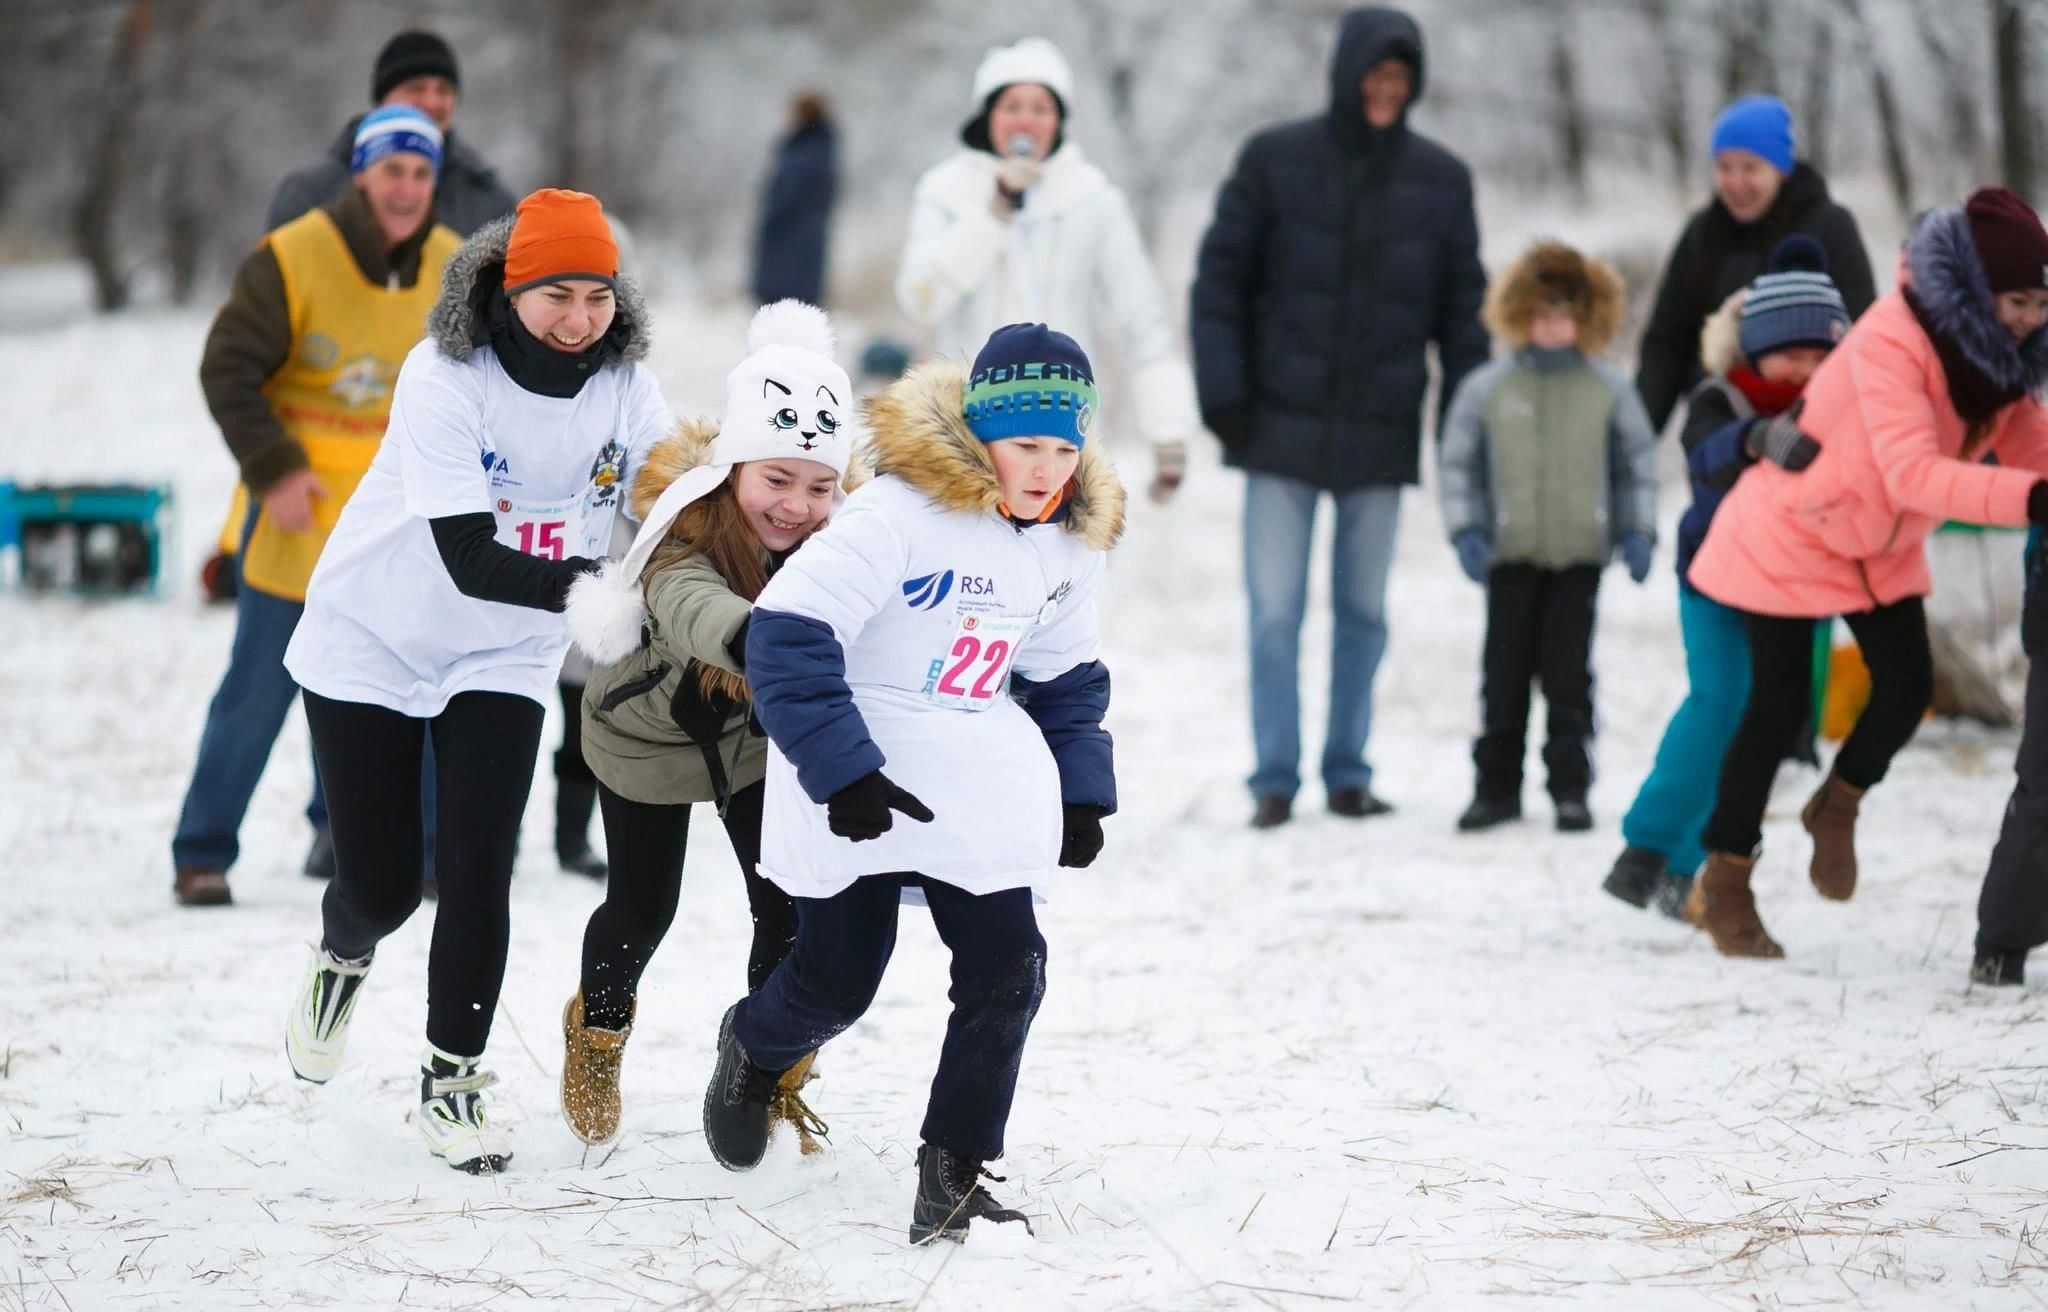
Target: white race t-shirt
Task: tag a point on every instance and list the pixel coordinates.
(384, 623)
(935, 609)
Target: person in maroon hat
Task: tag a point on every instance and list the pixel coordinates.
(1929, 411)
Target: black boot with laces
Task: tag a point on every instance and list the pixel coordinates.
(737, 1103)
(949, 1195)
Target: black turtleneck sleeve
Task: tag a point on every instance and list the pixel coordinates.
(487, 569)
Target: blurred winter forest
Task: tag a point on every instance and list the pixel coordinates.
(147, 135)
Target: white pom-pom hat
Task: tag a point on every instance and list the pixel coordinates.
(788, 400)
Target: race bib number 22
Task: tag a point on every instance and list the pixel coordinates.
(976, 667)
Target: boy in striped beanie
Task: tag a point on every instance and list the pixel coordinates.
(1758, 352)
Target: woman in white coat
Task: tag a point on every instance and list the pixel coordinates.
(1020, 228)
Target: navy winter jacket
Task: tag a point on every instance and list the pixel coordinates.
(1337, 254)
(1715, 439)
(796, 213)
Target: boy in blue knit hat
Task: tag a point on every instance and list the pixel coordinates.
(926, 670)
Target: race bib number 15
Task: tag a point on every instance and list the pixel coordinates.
(549, 530)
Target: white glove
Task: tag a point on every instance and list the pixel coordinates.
(1017, 174)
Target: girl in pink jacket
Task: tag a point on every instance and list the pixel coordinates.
(1898, 427)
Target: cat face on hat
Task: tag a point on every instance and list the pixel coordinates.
(810, 421)
(789, 399)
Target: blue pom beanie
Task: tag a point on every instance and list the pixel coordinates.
(1761, 125)
(1030, 381)
(393, 129)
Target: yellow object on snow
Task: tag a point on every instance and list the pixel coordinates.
(1848, 692)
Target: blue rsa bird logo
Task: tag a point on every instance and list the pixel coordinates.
(926, 591)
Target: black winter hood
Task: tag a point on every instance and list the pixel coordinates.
(1368, 36)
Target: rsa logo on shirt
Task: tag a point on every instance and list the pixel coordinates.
(499, 468)
(926, 591)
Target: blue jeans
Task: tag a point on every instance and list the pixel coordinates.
(1672, 807)
(242, 725)
(1279, 518)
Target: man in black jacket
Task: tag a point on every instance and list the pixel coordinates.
(1342, 246)
(417, 69)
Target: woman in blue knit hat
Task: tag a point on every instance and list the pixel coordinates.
(1762, 193)
(927, 671)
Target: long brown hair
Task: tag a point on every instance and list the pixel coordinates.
(715, 528)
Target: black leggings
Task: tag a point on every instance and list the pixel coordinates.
(484, 749)
(1894, 643)
(645, 844)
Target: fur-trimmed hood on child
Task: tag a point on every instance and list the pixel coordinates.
(1552, 273)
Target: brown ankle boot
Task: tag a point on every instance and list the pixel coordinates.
(1830, 816)
(789, 1106)
(1721, 904)
(590, 1074)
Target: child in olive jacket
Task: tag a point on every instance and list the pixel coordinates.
(1547, 470)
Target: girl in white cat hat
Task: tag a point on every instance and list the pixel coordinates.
(667, 720)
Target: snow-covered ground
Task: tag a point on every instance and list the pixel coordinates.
(1367, 1064)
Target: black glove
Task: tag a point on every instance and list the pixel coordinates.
(860, 810)
(1233, 427)
(1779, 440)
(1080, 834)
(700, 714)
(2037, 506)
(737, 648)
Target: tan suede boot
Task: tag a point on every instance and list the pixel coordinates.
(1830, 816)
(590, 1074)
(1721, 904)
(789, 1106)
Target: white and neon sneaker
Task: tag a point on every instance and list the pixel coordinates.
(451, 1115)
(316, 1031)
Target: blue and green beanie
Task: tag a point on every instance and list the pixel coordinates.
(1030, 381)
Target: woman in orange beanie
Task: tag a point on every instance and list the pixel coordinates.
(436, 613)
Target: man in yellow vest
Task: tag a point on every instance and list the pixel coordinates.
(297, 372)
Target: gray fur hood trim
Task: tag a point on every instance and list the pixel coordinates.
(476, 272)
(1949, 283)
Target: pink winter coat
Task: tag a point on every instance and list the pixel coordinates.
(1848, 534)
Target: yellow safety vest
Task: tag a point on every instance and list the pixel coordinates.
(333, 395)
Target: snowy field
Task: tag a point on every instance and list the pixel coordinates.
(1339, 1065)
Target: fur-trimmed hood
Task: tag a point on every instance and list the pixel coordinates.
(1721, 336)
(459, 321)
(918, 433)
(1940, 265)
(1552, 271)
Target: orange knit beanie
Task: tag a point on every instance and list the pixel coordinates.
(558, 235)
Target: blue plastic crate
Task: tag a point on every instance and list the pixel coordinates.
(92, 538)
